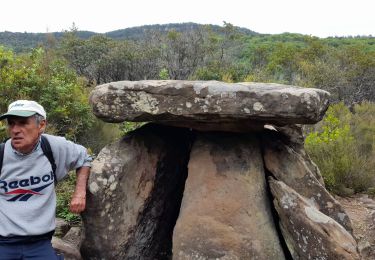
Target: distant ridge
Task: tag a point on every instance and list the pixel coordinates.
(140, 31)
(25, 41)
(19, 41)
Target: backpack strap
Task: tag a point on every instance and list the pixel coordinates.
(2, 148)
(46, 147)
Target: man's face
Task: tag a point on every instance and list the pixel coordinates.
(24, 132)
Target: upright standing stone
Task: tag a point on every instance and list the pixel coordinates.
(225, 212)
(135, 191)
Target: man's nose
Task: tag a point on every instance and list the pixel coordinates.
(15, 128)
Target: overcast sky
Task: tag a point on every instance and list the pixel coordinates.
(312, 17)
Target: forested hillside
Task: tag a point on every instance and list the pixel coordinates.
(343, 66)
(21, 42)
(139, 32)
(64, 67)
(24, 42)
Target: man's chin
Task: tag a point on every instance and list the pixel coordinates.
(18, 146)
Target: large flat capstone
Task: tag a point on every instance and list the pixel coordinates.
(213, 103)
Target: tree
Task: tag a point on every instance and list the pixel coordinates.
(182, 53)
(86, 55)
(283, 63)
(43, 77)
(358, 65)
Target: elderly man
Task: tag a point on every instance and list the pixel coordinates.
(27, 182)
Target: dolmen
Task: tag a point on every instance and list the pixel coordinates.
(218, 171)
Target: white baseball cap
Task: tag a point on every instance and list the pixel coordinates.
(24, 108)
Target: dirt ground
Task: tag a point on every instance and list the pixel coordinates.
(361, 211)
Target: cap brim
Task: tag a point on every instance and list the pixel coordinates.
(17, 113)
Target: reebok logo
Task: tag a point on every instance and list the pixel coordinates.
(20, 188)
(24, 194)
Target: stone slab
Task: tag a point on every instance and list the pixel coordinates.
(213, 102)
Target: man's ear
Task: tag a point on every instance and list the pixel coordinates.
(42, 126)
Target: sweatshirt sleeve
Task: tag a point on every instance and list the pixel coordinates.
(68, 155)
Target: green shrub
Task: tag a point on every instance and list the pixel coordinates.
(337, 149)
(363, 126)
(164, 74)
(44, 77)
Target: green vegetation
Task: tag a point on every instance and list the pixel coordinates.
(25, 42)
(343, 146)
(42, 76)
(59, 70)
(343, 66)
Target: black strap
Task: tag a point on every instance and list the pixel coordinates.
(46, 147)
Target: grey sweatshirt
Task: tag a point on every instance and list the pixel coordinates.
(27, 192)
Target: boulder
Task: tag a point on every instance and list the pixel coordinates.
(309, 233)
(70, 251)
(62, 227)
(134, 195)
(293, 167)
(225, 212)
(74, 236)
(208, 105)
(292, 135)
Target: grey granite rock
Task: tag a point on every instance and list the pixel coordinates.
(183, 103)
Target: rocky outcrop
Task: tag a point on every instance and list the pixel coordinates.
(193, 184)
